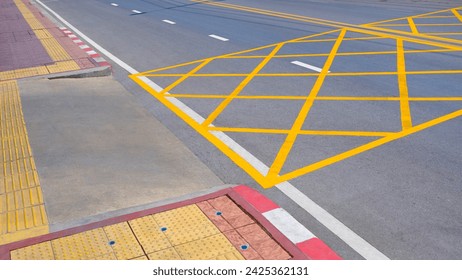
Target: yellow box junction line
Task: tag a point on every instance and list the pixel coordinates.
(207, 129)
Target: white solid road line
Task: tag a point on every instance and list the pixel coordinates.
(338, 228)
(169, 21)
(218, 37)
(96, 46)
(115, 5)
(311, 67)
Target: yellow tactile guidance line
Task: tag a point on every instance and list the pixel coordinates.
(63, 61)
(22, 211)
(182, 233)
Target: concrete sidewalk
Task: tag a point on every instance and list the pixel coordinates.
(97, 151)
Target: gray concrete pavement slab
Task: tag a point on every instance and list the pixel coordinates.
(98, 151)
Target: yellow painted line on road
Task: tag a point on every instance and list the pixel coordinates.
(439, 24)
(235, 157)
(406, 121)
(368, 28)
(412, 25)
(297, 126)
(332, 74)
(268, 179)
(320, 98)
(184, 77)
(457, 14)
(302, 132)
(445, 33)
(22, 211)
(345, 39)
(241, 86)
(363, 148)
(404, 18)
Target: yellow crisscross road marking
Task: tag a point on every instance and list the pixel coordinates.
(226, 81)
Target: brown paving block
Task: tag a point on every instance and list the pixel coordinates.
(237, 240)
(230, 211)
(263, 243)
(211, 213)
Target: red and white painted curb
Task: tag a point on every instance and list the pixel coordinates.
(90, 52)
(313, 247)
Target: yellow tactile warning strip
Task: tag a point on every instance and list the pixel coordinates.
(63, 61)
(22, 212)
(334, 50)
(189, 232)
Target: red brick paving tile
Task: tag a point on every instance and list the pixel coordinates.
(210, 212)
(56, 32)
(262, 243)
(236, 239)
(85, 63)
(231, 212)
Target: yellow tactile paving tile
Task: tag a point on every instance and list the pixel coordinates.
(86, 245)
(22, 211)
(141, 239)
(166, 254)
(41, 251)
(209, 248)
(142, 258)
(55, 50)
(31, 71)
(149, 234)
(63, 66)
(123, 241)
(185, 224)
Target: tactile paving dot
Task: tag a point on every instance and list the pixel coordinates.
(185, 224)
(41, 251)
(123, 241)
(148, 233)
(208, 248)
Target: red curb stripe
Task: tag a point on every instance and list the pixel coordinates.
(316, 249)
(260, 202)
(75, 39)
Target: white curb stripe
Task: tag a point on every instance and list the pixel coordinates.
(287, 224)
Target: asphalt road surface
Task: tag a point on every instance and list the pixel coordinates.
(346, 113)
